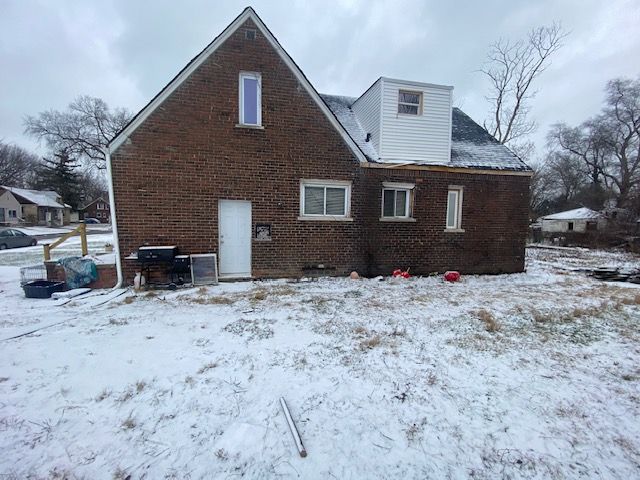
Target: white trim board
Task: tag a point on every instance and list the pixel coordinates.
(248, 13)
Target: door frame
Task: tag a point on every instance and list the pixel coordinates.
(222, 276)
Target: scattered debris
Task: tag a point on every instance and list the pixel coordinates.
(292, 427)
(615, 275)
(399, 273)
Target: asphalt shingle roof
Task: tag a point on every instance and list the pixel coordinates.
(471, 145)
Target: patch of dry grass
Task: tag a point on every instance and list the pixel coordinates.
(212, 300)
(104, 394)
(129, 423)
(491, 325)
(370, 342)
(206, 367)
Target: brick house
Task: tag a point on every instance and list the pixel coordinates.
(240, 156)
(99, 209)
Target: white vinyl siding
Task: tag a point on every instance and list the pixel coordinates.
(425, 137)
(325, 199)
(367, 109)
(454, 208)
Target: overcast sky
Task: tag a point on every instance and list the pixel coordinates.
(126, 51)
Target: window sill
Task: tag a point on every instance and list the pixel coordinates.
(323, 218)
(397, 219)
(454, 230)
(250, 127)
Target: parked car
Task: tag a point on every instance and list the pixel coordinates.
(12, 238)
(91, 220)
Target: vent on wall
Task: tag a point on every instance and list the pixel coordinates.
(250, 34)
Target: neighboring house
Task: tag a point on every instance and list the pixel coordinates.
(579, 220)
(98, 208)
(239, 155)
(10, 209)
(38, 207)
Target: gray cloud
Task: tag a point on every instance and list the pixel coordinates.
(125, 51)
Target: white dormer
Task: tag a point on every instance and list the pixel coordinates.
(407, 121)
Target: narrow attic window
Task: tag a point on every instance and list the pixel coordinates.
(250, 99)
(250, 34)
(409, 103)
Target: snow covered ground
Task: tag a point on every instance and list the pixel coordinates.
(26, 256)
(533, 375)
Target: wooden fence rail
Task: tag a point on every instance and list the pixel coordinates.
(79, 230)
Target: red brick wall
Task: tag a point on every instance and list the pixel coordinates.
(494, 220)
(189, 154)
(107, 275)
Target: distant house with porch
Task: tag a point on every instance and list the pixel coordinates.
(32, 206)
(578, 220)
(98, 208)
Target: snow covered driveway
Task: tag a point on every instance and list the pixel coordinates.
(532, 375)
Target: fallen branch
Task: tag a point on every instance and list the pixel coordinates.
(292, 427)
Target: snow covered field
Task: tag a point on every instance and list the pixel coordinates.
(533, 375)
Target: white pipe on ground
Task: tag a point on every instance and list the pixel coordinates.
(294, 430)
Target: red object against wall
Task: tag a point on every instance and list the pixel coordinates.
(452, 276)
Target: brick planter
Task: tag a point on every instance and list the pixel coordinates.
(107, 275)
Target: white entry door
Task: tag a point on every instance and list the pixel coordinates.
(234, 230)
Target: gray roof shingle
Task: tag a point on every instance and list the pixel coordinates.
(471, 145)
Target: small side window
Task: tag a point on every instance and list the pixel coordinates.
(250, 99)
(454, 208)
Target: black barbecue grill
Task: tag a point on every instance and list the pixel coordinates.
(157, 254)
(176, 266)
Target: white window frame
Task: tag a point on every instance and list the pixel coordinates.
(100, 206)
(254, 76)
(13, 214)
(405, 187)
(419, 104)
(326, 184)
(457, 226)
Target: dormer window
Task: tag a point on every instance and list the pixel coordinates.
(409, 103)
(250, 99)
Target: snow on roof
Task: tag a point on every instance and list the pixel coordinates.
(341, 108)
(44, 198)
(471, 145)
(575, 214)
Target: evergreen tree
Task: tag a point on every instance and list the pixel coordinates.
(60, 174)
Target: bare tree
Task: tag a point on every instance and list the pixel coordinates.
(588, 143)
(620, 120)
(512, 68)
(82, 130)
(17, 165)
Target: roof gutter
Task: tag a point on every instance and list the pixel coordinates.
(114, 223)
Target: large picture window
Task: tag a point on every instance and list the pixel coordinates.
(325, 198)
(250, 99)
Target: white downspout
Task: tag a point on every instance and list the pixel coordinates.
(114, 223)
